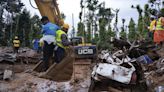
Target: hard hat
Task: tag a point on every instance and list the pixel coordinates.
(66, 26)
(16, 37)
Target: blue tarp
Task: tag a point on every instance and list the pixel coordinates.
(36, 44)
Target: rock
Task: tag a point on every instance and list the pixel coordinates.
(7, 75)
(159, 89)
(11, 58)
(51, 90)
(1, 75)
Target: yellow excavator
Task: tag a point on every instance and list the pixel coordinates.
(78, 59)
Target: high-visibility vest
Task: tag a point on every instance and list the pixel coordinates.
(152, 25)
(159, 25)
(16, 43)
(59, 33)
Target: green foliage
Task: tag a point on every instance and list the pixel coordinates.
(123, 31)
(153, 12)
(88, 32)
(23, 28)
(81, 29)
(132, 33)
(142, 21)
(11, 7)
(110, 34)
(92, 4)
(123, 34)
(139, 10)
(97, 23)
(63, 16)
(35, 28)
(152, 1)
(146, 21)
(104, 35)
(102, 31)
(104, 45)
(162, 11)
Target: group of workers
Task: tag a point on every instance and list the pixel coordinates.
(54, 40)
(156, 29)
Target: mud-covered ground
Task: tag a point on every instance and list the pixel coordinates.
(27, 82)
(24, 80)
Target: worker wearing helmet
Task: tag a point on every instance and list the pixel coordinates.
(159, 31)
(49, 32)
(62, 43)
(16, 44)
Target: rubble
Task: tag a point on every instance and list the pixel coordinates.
(146, 60)
(148, 76)
(9, 57)
(7, 75)
(24, 80)
(159, 89)
(25, 55)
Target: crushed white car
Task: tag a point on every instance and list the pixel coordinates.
(120, 70)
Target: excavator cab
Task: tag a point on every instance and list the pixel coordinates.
(83, 50)
(77, 41)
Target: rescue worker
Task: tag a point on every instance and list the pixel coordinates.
(16, 44)
(151, 28)
(62, 43)
(159, 31)
(49, 31)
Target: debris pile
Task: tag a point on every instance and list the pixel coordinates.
(137, 67)
(24, 55)
(7, 55)
(27, 55)
(11, 63)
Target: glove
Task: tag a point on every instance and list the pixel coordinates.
(41, 42)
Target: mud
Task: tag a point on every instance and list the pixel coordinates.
(24, 80)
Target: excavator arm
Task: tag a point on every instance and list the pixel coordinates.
(50, 9)
(79, 55)
(55, 71)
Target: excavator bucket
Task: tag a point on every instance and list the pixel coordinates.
(38, 67)
(59, 72)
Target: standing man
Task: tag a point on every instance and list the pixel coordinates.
(62, 43)
(16, 44)
(151, 28)
(159, 32)
(49, 33)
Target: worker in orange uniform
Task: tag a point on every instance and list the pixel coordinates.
(152, 28)
(16, 44)
(62, 43)
(159, 31)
